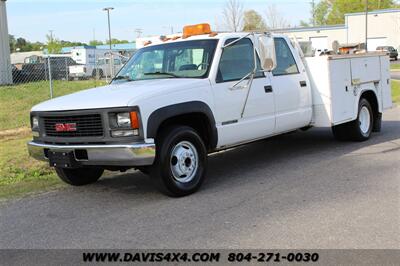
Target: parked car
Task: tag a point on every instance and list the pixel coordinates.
(393, 54)
(36, 68)
(17, 75)
(102, 69)
(174, 103)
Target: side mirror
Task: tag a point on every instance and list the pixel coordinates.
(267, 52)
(268, 64)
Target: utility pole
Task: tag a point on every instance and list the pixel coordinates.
(51, 35)
(313, 12)
(366, 25)
(171, 28)
(5, 61)
(108, 9)
(138, 32)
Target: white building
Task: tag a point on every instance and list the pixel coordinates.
(5, 66)
(383, 29)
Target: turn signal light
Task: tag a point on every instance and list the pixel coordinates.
(134, 120)
(198, 29)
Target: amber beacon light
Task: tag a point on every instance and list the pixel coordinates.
(198, 29)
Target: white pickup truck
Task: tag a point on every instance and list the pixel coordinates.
(102, 69)
(175, 102)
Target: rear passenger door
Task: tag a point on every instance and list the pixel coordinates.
(259, 114)
(291, 89)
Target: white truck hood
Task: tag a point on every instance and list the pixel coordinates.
(117, 95)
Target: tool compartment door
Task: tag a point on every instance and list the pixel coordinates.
(365, 69)
(342, 97)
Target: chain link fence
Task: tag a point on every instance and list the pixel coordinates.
(41, 77)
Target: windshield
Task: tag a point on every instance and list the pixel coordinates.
(188, 59)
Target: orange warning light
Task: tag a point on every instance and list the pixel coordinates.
(197, 29)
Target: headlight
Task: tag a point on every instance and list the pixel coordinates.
(35, 123)
(125, 124)
(126, 119)
(123, 120)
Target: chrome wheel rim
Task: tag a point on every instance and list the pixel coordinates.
(364, 120)
(184, 161)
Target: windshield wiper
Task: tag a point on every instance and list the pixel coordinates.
(127, 78)
(162, 73)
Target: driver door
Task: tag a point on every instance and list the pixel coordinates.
(237, 121)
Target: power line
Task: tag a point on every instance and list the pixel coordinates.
(138, 32)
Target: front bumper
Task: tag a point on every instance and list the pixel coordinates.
(136, 154)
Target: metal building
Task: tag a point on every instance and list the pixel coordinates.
(383, 29)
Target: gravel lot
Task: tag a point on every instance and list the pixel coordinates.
(300, 190)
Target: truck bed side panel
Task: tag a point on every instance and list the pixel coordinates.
(318, 71)
(385, 84)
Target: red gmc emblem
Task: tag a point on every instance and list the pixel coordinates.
(65, 127)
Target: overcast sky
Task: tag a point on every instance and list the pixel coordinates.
(76, 20)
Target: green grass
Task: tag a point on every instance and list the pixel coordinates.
(396, 91)
(20, 174)
(395, 66)
(17, 100)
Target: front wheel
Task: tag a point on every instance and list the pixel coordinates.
(79, 176)
(181, 161)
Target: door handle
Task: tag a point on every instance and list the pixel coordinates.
(303, 83)
(268, 89)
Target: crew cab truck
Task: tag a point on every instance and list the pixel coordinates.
(175, 102)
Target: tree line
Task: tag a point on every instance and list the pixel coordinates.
(53, 45)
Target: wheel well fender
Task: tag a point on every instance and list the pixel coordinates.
(195, 114)
(371, 97)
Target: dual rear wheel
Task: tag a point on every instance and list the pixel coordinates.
(359, 129)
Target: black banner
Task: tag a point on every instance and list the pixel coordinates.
(198, 257)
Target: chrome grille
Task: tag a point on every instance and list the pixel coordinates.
(86, 125)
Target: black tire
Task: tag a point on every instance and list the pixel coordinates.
(353, 130)
(340, 132)
(144, 169)
(79, 176)
(355, 126)
(173, 139)
(97, 73)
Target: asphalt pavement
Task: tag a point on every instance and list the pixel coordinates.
(300, 190)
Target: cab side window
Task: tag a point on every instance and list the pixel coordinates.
(237, 61)
(285, 63)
